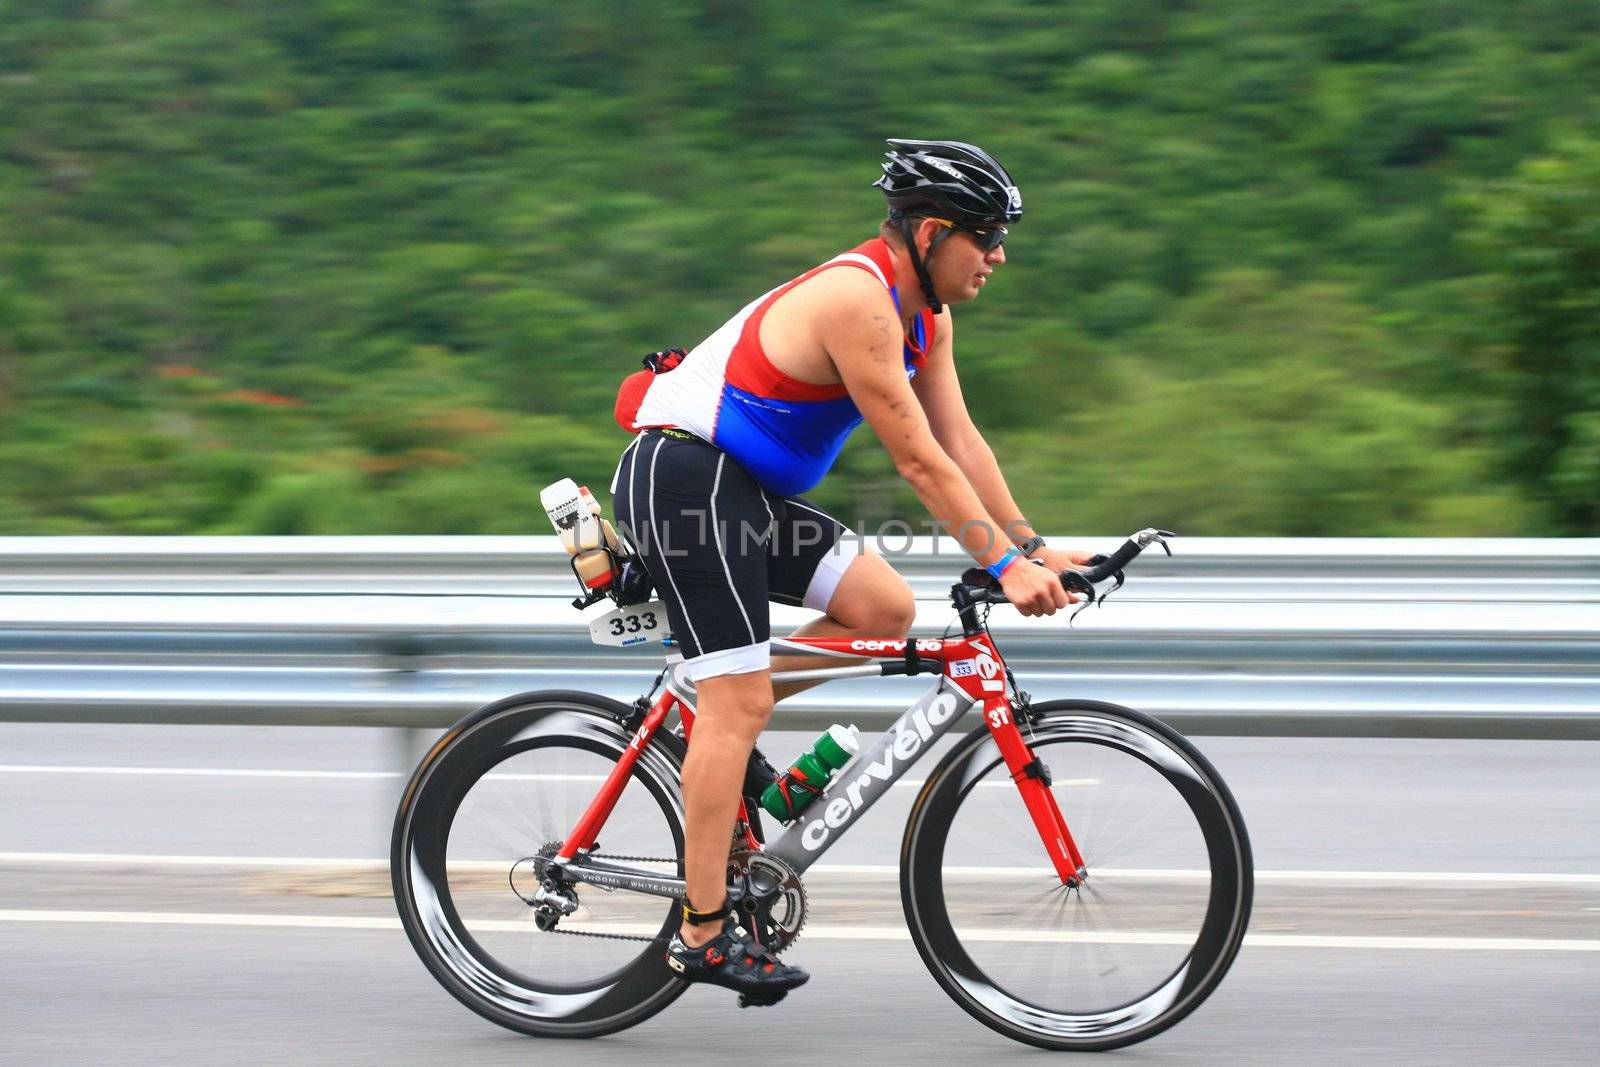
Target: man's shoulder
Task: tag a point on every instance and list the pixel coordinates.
(844, 287)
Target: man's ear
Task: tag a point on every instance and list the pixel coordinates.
(924, 232)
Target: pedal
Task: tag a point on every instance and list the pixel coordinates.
(762, 1000)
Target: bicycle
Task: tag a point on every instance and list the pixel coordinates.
(1089, 937)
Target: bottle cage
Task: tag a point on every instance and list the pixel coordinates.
(633, 585)
(630, 582)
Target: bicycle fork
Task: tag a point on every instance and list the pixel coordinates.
(1032, 779)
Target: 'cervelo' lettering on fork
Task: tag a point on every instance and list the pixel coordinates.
(911, 732)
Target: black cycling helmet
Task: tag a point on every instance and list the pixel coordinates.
(949, 180)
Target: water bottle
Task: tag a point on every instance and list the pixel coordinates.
(575, 513)
(799, 785)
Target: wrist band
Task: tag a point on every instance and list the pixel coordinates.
(998, 567)
(1031, 545)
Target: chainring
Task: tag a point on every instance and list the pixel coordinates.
(773, 904)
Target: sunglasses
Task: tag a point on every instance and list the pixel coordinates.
(988, 238)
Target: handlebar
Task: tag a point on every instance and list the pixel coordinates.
(1102, 567)
(978, 587)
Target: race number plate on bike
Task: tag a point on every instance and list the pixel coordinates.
(632, 625)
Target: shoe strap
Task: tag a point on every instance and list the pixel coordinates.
(700, 918)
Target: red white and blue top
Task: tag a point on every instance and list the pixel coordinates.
(786, 433)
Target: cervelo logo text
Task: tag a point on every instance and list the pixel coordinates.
(988, 668)
(893, 646)
(914, 729)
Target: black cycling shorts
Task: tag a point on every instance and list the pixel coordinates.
(718, 547)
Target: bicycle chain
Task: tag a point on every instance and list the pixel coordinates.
(604, 937)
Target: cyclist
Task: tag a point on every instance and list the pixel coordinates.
(708, 492)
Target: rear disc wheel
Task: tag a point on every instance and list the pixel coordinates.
(479, 898)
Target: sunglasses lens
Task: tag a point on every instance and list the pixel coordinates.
(990, 239)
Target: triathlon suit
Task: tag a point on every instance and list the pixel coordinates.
(708, 493)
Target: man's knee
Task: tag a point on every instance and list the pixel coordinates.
(897, 613)
(874, 600)
(738, 702)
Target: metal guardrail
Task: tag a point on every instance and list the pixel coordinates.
(1314, 637)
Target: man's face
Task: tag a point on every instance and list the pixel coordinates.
(961, 267)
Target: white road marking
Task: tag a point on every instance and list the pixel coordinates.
(115, 859)
(120, 859)
(848, 933)
(249, 772)
(1141, 873)
(197, 772)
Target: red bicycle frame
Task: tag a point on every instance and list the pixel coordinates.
(971, 667)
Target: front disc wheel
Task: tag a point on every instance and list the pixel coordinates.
(1146, 935)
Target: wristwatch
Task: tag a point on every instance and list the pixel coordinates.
(1031, 545)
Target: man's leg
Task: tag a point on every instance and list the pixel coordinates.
(730, 711)
(871, 600)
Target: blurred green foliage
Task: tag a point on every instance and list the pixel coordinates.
(347, 267)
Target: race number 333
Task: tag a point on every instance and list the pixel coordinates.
(631, 625)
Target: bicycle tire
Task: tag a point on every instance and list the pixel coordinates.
(1220, 840)
(537, 724)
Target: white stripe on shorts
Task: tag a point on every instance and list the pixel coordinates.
(655, 539)
(716, 533)
(617, 477)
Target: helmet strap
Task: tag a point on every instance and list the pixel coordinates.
(917, 262)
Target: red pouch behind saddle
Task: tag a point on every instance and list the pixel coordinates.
(634, 386)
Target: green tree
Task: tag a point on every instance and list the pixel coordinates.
(1264, 407)
(336, 265)
(1537, 235)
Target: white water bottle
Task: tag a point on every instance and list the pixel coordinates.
(575, 513)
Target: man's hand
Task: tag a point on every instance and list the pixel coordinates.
(1033, 589)
(1062, 559)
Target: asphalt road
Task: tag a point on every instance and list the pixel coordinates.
(1425, 901)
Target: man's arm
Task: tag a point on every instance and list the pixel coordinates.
(939, 390)
(861, 331)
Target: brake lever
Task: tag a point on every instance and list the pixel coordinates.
(1077, 583)
(1146, 538)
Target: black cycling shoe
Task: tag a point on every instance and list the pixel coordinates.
(735, 960)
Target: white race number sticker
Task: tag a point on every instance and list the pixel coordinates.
(632, 625)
